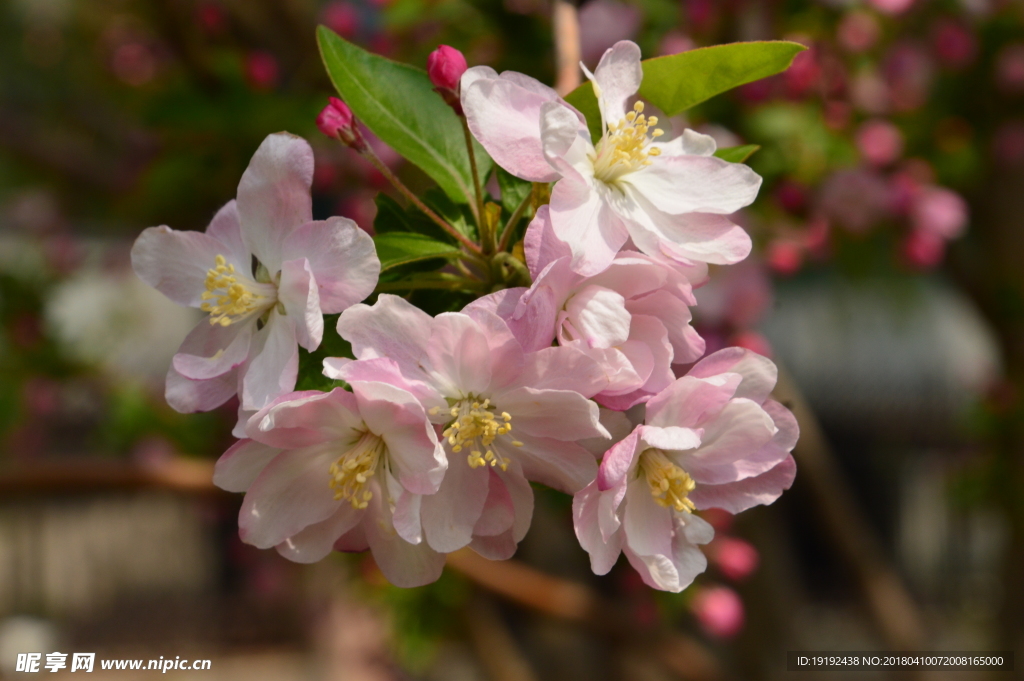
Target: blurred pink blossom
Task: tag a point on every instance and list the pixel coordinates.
(923, 250)
(804, 73)
(735, 558)
(941, 212)
(869, 92)
(908, 71)
(791, 195)
(854, 199)
(675, 42)
(753, 341)
(134, 63)
(953, 43)
(604, 23)
(891, 6)
(261, 70)
(341, 17)
(858, 31)
(719, 611)
(212, 17)
(880, 142)
(785, 257)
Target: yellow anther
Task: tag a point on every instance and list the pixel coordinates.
(228, 299)
(625, 146)
(669, 483)
(476, 427)
(352, 470)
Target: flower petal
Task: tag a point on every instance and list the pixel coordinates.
(227, 229)
(597, 316)
(674, 314)
(689, 402)
(342, 258)
(558, 414)
(690, 236)
(298, 292)
(306, 418)
(498, 512)
(585, 508)
(563, 369)
(695, 184)
(316, 541)
(392, 328)
(273, 195)
(291, 493)
(739, 431)
(582, 219)
(617, 78)
(450, 514)
(175, 263)
(560, 465)
(647, 525)
(759, 373)
(211, 350)
(275, 363)
(188, 396)
(404, 564)
(738, 496)
(241, 464)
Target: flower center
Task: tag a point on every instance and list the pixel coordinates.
(357, 465)
(229, 297)
(625, 146)
(476, 427)
(669, 483)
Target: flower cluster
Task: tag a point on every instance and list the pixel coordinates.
(586, 381)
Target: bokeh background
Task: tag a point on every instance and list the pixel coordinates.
(887, 282)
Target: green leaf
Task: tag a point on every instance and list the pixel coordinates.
(397, 103)
(513, 190)
(737, 154)
(402, 248)
(680, 81)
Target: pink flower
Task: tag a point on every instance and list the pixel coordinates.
(509, 417)
(445, 67)
(939, 211)
(719, 611)
(736, 558)
(339, 470)
(336, 120)
(880, 142)
(670, 198)
(713, 439)
(858, 31)
(633, 318)
(923, 249)
(258, 315)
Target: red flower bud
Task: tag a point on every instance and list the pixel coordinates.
(336, 120)
(445, 66)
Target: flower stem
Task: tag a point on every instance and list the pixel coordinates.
(506, 233)
(372, 157)
(479, 208)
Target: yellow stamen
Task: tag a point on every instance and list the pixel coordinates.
(228, 298)
(625, 146)
(476, 427)
(669, 483)
(354, 468)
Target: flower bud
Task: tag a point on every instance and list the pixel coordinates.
(445, 66)
(719, 611)
(336, 120)
(736, 558)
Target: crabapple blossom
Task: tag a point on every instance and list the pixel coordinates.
(344, 469)
(633, 318)
(670, 198)
(712, 439)
(508, 416)
(265, 271)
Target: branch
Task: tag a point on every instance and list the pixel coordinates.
(567, 47)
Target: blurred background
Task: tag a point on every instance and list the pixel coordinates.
(887, 282)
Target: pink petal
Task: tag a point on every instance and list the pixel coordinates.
(291, 493)
(404, 564)
(498, 547)
(687, 345)
(618, 461)
(309, 417)
(755, 491)
(175, 263)
(617, 77)
(505, 118)
(563, 369)
(316, 541)
(458, 357)
(690, 402)
(598, 316)
(240, 465)
(226, 228)
(603, 554)
(648, 526)
(450, 514)
(273, 195)
(382, 370)
(298, 292)
(342, 258)
(189, 396)
(739, 431)
(541, 245)
(560, 465)
(759, 373)
(418, 460)
(392, 328)
(671, 438)
(212, 350)
(690, 236)
(407, 507)
(559, 414)
(582, 219)
(498, 512)
(274, 366)
(695, 184)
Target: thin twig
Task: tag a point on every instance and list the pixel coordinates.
(567, 47)
(478, 211)
(368, 153)
(506, 233)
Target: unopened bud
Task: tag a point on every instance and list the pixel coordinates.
(336, 120)
(445, 66)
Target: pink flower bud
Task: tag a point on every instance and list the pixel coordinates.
(445, 66)
(924, 250)
(719, 611)
(261, 70)
(336, 120)
(784, 257)
(736, 559)
(941, 212)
